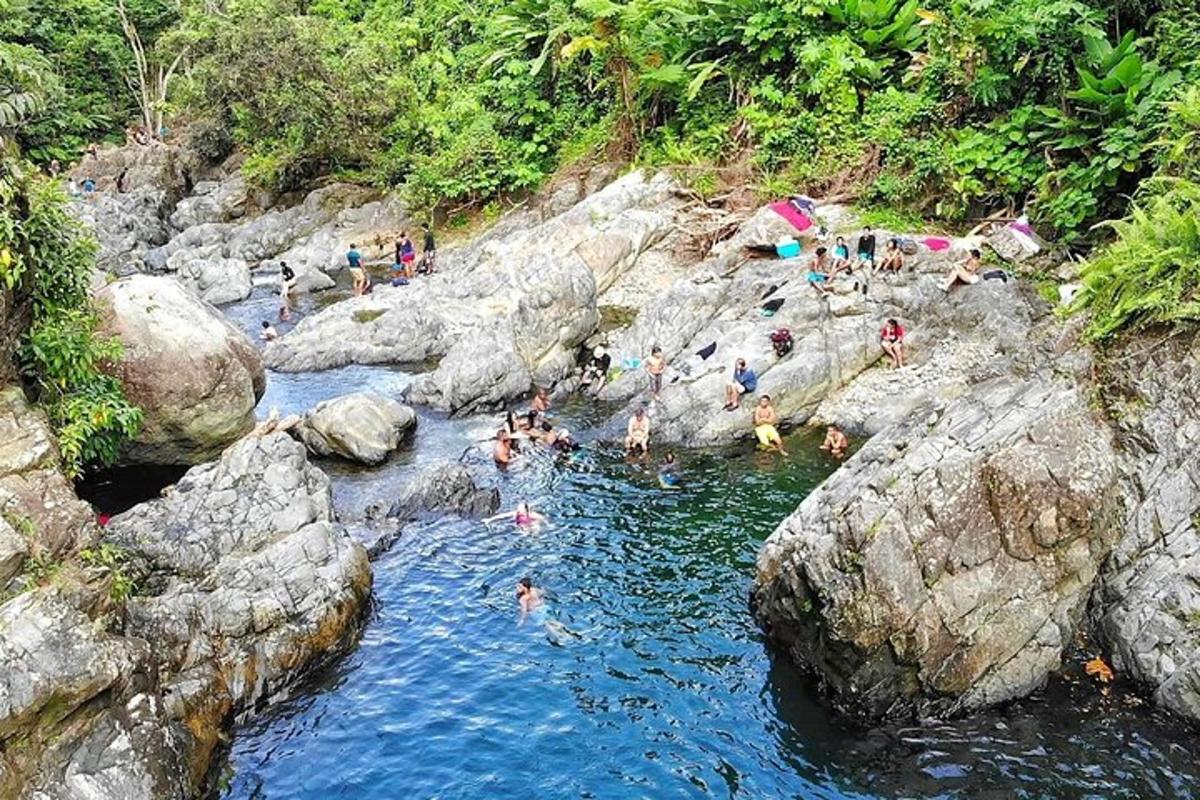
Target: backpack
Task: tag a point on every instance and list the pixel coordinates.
(782, 341)
(909, 247)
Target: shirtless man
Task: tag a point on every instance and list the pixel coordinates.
(529, 597)
(638, 434)
(541, 402)
(502, 452)
(764, 425)
(656, 365)
(835, 442)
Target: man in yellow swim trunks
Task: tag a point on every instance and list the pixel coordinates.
(764, 425)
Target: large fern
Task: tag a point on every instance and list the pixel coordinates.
(26, 85)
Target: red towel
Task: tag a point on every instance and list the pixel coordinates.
(935, 243)
(786, 210)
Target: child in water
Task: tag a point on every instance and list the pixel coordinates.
(668, 472)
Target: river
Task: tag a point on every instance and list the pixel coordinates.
(644, 676)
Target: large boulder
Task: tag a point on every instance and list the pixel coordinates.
(249, 581)
(217, 280)
(195, 376)
(946, 565)
(363, 427)
(444, 489)
(505, 312)
(1148, 609)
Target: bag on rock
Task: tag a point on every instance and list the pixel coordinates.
(782, 341)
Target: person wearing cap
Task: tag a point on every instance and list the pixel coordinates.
(595, 375)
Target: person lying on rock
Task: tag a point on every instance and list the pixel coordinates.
(656, 365)
(966, 273)
(595, 374)
(835, 442)
(744, 381)
(865, 252)
(502, 452)
(269, 334)
(891, 339)
(637, 436)
(893, 257)
(764, 426)
(818, 272)
(668, 472)
(357, 273)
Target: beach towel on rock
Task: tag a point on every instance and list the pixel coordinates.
(936, 243)
(786, 210)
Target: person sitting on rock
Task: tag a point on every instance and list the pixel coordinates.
(637, 436)
(595, 375)
(269, 334)
(357, 272)
(764, 426)
(891, 339)
(835, 442)
(866, 248)
(656, 365)
(893, 257)
(841, 257)
(966, 273)
(744, 382)
(818, 274)
(502, 452)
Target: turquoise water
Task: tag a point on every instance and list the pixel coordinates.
(644, 676)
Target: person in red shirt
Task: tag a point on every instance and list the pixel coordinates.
(891, 339)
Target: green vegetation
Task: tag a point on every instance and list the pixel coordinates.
(45, 266)
(109, 557)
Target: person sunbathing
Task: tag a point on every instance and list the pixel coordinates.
(966, 273)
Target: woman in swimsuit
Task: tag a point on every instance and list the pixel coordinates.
(891, 339)
(523, 518)
(893, 257)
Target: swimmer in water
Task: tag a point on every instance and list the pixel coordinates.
(529, 597)
(523, 518)
(668, 472)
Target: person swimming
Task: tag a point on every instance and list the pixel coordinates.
(523, 517)
(529, 597)
(668, 472)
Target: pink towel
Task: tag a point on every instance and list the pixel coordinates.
(935, 243)
(786, 210)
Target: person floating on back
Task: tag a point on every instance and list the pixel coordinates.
(637, 436)
(744, 382)
(656, 365)
(357, 272)
(966, 273)
(835, 442)
(523, 517)
(891, 339)
(428, 250)
(764, 426)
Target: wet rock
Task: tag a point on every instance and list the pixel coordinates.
(363, 427)
(217, 280)
(951, 575)
(443, 489)
(195, 376)
(249, 582)
(1148, 603)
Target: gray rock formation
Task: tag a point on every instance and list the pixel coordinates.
(443, 489)
(946, 565)
(1148, 601)
(217, 280)
(363, 427)
(504, 313)
(248, 581)
(195, 376)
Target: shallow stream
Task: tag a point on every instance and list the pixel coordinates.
(644, 675)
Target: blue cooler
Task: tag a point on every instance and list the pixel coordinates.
(787, 249)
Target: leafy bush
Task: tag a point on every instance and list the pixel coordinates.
(1151, 273)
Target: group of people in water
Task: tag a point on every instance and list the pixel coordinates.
(405, 265)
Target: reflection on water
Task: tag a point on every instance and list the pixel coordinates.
(645, 675)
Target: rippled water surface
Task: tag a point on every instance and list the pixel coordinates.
(644, 676)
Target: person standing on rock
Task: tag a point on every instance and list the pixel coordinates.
(428, 250)
(866, 248)
(891, 339)
(764, 426)
(357, 272)
(744, 382)
(287, 282)
(656, 365)
(835, 442)
(637, 435)
(405, 254)
(967, 273)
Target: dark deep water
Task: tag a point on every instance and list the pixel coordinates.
(644, 676)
